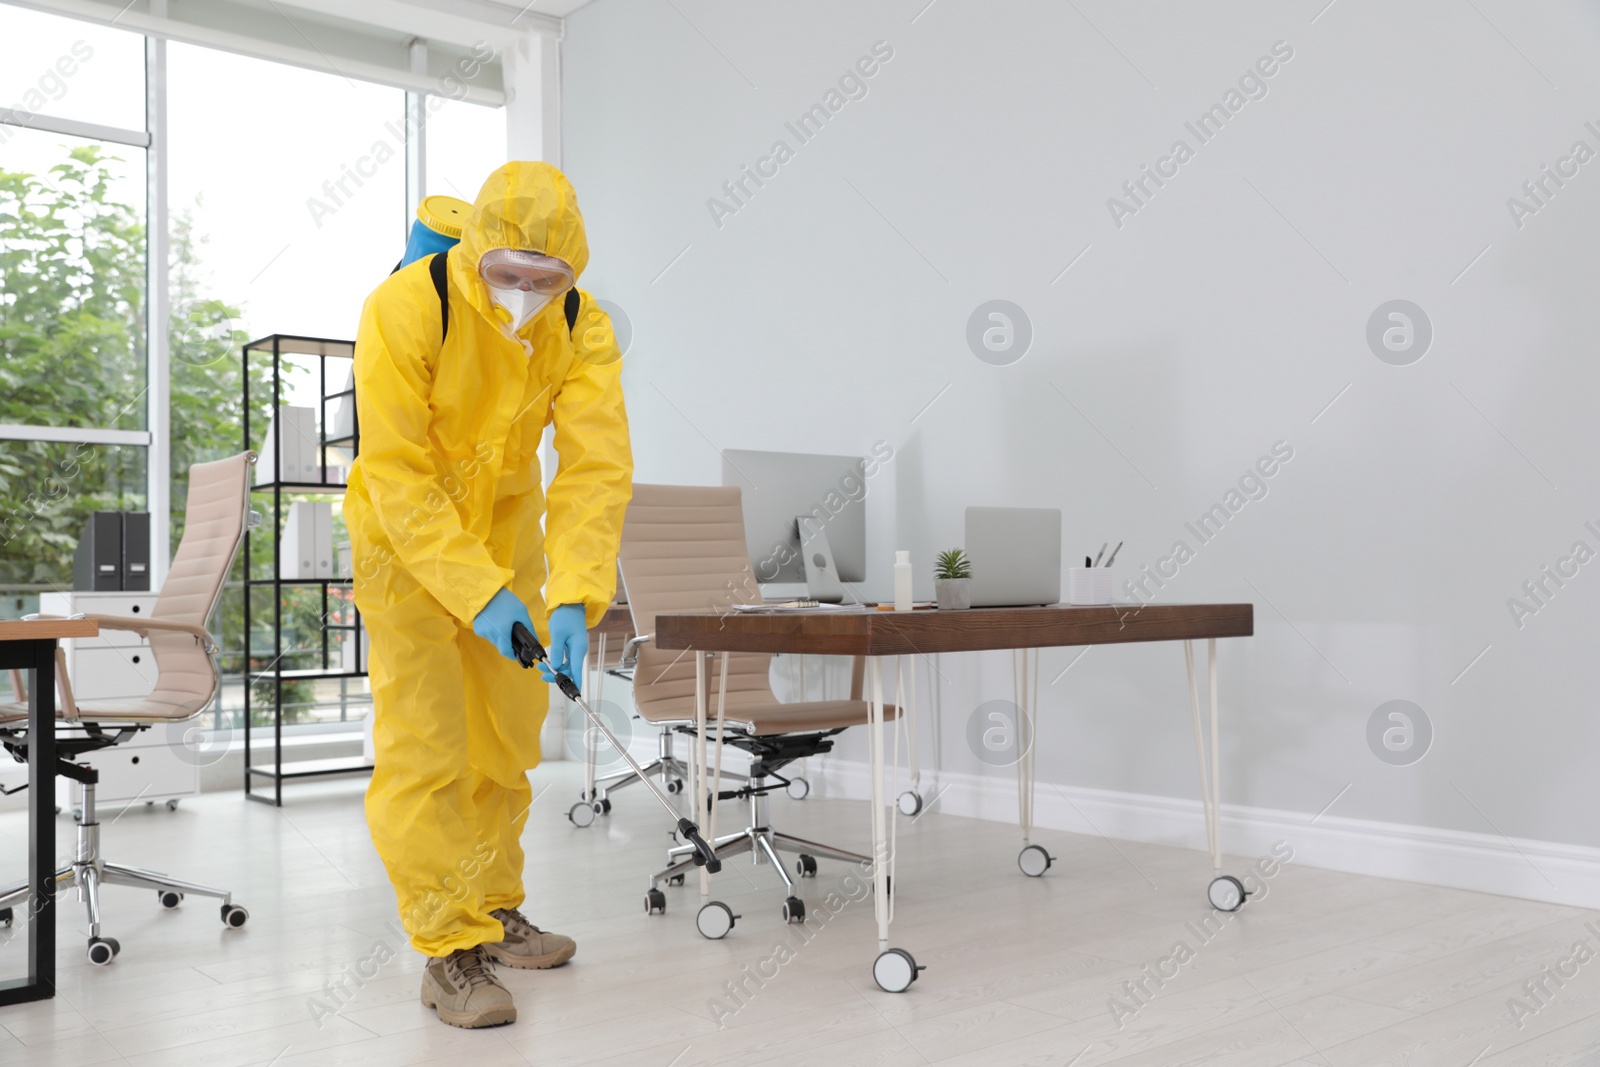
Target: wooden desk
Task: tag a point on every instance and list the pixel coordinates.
(905, 633)
(878, 634)
(616, 623)
(30, 645)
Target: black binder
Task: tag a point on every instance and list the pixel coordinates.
(135, 550)
(97, 563)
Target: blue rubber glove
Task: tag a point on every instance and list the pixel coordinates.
(494, 622)
(569, 643)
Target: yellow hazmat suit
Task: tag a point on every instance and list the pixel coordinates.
(444, 510)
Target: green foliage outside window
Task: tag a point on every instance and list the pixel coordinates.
(72, 354)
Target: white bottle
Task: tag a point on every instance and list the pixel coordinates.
(902, 581)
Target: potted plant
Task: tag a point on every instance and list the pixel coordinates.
(952, 575)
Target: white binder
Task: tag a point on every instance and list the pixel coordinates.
(307, 547)
(344, 414)
(295, 457)
(304, 456)
(322, 524)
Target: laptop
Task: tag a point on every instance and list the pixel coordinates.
(1016, 556)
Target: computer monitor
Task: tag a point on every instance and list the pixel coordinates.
(827, 492)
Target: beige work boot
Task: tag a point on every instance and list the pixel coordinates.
(462, 988)
(527, 946)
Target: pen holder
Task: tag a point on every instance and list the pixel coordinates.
(1089, 585)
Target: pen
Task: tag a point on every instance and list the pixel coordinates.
(1114, 552)
(1096, 562)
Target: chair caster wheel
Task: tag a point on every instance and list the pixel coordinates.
(807, 866)
(794, 910)
(1034, 861)
(1226, 893)
(77, 814)
(233, 916)
(799, 788)
(170, 898)
(586, 796)
(675, 786)
(676, 879)
(655, 902)
(5, 918)
(602, 806)
(910, 803)
(102, 950)
(582, 813)
(172, 805)
(714, 920)
(895, 970)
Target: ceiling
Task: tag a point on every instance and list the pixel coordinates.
(550, 8)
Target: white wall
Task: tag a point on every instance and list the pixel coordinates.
(1221, 318)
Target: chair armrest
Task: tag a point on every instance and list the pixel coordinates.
(630, 651)
(143, 627)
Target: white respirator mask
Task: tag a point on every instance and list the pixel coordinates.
(521, 304)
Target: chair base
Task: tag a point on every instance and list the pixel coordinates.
(671, 770)
(762, 842)
(89, 871)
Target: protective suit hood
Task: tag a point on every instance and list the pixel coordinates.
(523, 205)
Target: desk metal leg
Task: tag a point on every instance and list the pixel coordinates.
(936, 721)
(591, 743)
(1225, 892)
(41, 818)
(1033, 860)
(894, 970)
(700, 811)
(905, 676)
(800, 781)
(41, 981)
(591, 804)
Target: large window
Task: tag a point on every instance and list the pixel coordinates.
(72, 253)
(67, 69)
(304, 186)
(73, 287)
(286, 202)
(290, 224)
(466, 142)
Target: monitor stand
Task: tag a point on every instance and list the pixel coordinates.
(816, 559)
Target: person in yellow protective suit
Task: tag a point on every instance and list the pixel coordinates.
(444, 508)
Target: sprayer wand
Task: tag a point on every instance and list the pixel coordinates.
(529, 652)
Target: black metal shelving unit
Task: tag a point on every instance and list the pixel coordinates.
(321, 349)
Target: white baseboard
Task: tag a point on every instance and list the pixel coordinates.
(1515, 867)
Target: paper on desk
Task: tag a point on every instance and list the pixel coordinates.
(803, 610)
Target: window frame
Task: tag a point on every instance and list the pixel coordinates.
(156, 438)
(529, 99)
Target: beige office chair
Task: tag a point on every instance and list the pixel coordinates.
(187, 678)
(683, 549)
(668, 766)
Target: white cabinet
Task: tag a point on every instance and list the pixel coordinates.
(118, 663)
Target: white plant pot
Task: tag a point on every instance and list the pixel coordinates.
(953, 594)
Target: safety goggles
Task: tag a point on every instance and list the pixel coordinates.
(510, 268)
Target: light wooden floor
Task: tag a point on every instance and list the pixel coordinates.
(1327, 968)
